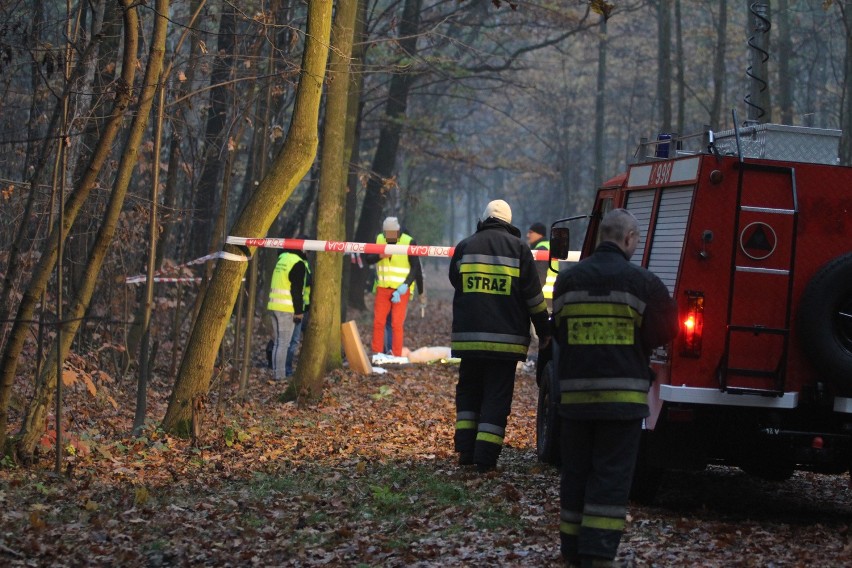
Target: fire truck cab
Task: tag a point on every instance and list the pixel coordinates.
(751, 231)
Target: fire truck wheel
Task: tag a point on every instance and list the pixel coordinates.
(770, 470)
(646, 476)
(547, 424)
(825, 322)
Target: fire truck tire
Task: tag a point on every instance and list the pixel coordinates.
(646, 476)
(825, 324)
(547, 425)
(770, 470)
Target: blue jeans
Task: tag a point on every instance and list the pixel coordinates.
(283, 328)
(294, 344)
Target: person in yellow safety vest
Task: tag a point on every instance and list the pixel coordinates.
(394, 276)
(287, 301)
(416, 289)
(537, 239)
(297, 329)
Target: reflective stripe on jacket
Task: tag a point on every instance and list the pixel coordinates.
(280, 288)
(550, 278)
(391, 272)
(497, 293)
(608, 316)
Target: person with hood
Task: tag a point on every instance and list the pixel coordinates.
(288, 299)
(497, 294)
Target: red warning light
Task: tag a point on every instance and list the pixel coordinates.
(693, 324)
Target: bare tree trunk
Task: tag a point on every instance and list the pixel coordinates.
(202, 236)
(600, 104)
(679, 58)
(320, 350)
(664, 63)
(134, 333)
(353, 139)
(785, 56)
(33, 424)
(13, 270)
(42, 272)
(384, 161)
(846, 101)
(719, 65)
(288, 169)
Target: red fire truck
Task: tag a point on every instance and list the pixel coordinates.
(751, 230)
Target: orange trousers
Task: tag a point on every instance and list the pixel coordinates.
(381, 308)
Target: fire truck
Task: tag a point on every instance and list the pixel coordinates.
(750, 229)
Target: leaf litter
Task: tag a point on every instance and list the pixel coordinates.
(367, 477)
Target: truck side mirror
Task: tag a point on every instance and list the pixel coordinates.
(560, 245)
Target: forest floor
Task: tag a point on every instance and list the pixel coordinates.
(367, 477)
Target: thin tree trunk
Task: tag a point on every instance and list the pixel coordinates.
(600, 104)
(288, 169)
(353, 137)
(664, 62)
(33, 424)
(13, 270)
(384, 161)
(719, 65)
(846, 100)
(203, 237)
(320, 350)
(42, 272)
(679, 69)
(134, 334)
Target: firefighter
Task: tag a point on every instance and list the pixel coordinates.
(394, 275)
(537, 238)
(497, 293)
(287, 300)
(608, 315)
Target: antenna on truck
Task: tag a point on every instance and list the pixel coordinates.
(758, 42)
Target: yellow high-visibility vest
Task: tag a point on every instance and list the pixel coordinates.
(280, 297)
(391, 272)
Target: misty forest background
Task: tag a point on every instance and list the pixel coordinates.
(136, 136)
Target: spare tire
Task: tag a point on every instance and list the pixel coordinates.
(824, 322)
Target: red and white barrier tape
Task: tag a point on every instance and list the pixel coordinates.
(366, 248)
(158, 276)
(142, 279)
(318, 246)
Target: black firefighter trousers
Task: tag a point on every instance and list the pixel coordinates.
(483, 403)
(598, 459)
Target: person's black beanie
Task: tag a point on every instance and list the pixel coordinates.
(539, 228)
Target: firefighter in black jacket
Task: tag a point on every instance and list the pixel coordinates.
(608, 315)
(497, 292)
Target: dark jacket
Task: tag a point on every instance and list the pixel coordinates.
(541, 267)
(609, 315)
(497, 293)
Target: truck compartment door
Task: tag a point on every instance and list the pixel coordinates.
(761, 277)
